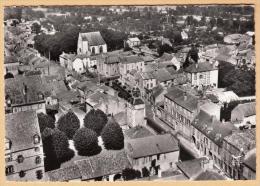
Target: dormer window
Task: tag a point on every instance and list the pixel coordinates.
(36, 139)
(20, 159)
(8, 145)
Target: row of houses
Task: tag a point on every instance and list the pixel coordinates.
(198, 120)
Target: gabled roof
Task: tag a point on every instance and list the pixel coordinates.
(131, 59)
(212, 128)
(245, 109)
(107, 163)
(20, 128)
(209, 175)
(162, 75)
(245, 140)
(158, 144)
(64, 174)
(250, 159)
(110, 59)
(191, 167)
(147, 75)
(200, 67)
(177, 95)
(134, 39)
(93, 38)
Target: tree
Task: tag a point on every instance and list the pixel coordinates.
(95, 120)
(86, 142)
(145, 172)
(36, 28)
(130, 174)
(113, 136)
(69, 124)
(61, 146)
(45, 121)
(56, 148)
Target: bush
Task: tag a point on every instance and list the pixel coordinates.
(86, 142)
(113, 136)
(145, 172)
(130, 174)
(69, 124)
(45, 121)
(95, 120)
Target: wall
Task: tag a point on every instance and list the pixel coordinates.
(28, 165)
(164, 161)
(38, 107)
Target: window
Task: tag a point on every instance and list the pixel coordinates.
(36, 149)
(22, 174)
(9, 170)
(39, 174)
(164, 156)
(20, 159)
(38, 160)
(36, 139)
(170, 164)
(150, 158)
(158, 156)
(201, 76)
(195, 76)
(8, 158)
(8, 145)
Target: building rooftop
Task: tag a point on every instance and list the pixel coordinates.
(64, 174)
(245, 109)
(130, 59)
(93, 38)
(106, 163)
(158, 144)
(177, 95)
(250, 159)
(200, 67)
(137, 132)
(20, 129)
(212, 128)
(191, 167)
(242, 140)
(162, 75)
(134, 39)
(209, 175)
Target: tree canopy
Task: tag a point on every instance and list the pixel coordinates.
(130, 174)
(69, 124)
(113, 136)
(95, 120)
(45, 121)
(86, 142)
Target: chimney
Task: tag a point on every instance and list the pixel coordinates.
(185, 96)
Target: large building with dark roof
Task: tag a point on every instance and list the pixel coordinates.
(203, 74)
(92, 42)
(161, 154)
(23, 147)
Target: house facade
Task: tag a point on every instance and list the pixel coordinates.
(23, 152)
(133, 42)
(91, 42)
(203, 74)
(161, 154)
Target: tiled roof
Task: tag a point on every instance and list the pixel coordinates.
(137, 132)
(165, 57)
(162, 75)
(250, 159)
(20, 128)
(148, 58)
(158, 144)
(112, 59)
(131, 59)
(134, 39)
(191, 167)
(201, 67)
(93, 38)
(64, 174)
(157, 90)
(245, 109)
(36, 85)
(245, 140)
(136, 101)
(106, 163)
(147, 75)
(209, 175)
(212, 128)
(177, 95)
(98, 97)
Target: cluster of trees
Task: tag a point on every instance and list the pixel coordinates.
(241, 81)
(55, 139)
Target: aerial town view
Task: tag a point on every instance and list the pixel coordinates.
(119, 93)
